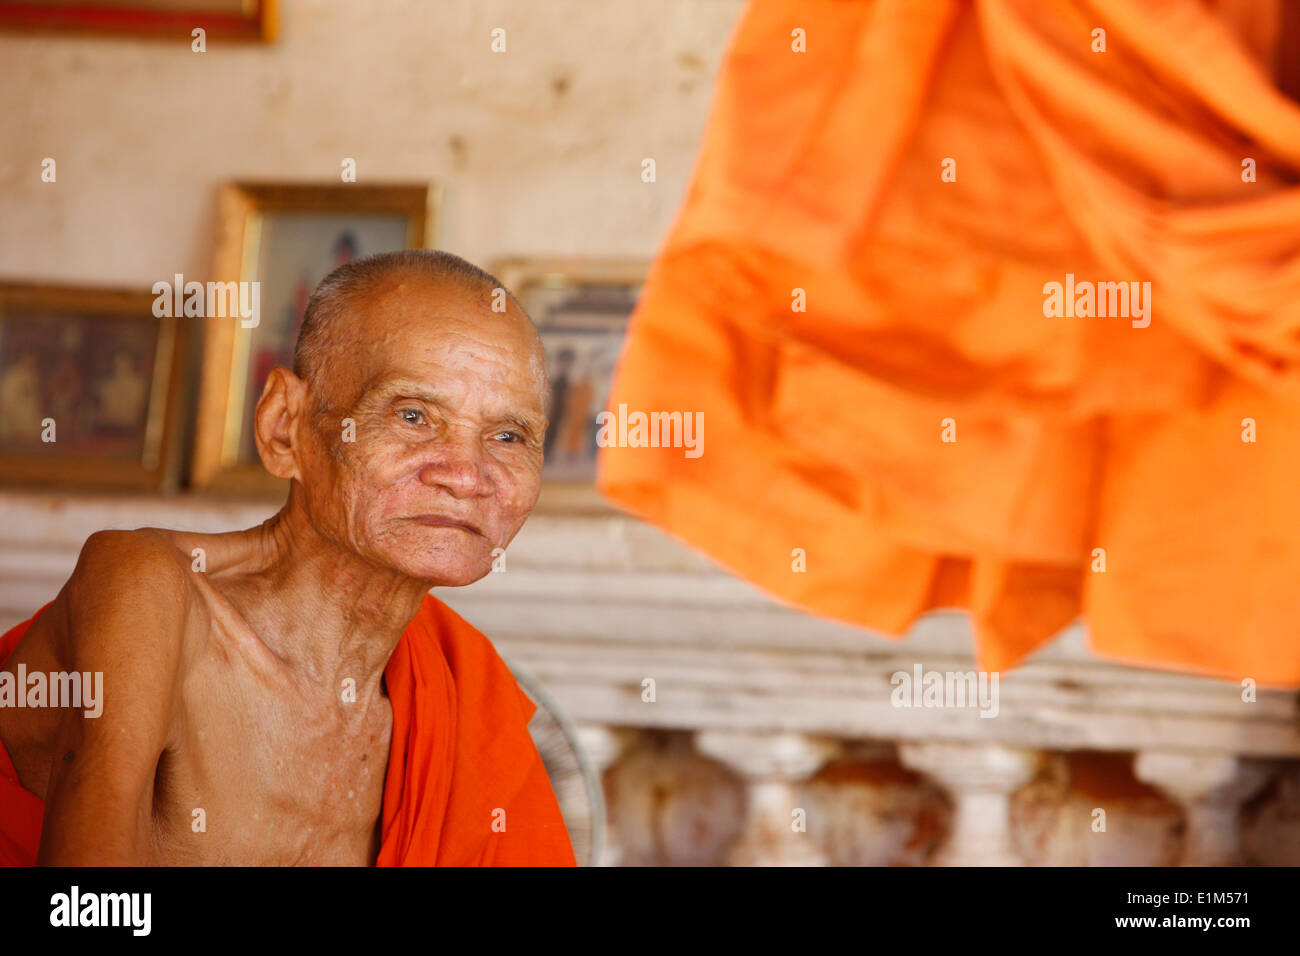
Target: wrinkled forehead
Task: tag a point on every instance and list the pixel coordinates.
(435, 329)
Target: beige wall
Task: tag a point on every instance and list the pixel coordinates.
(538, 149)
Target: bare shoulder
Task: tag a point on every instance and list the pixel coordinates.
(128, 585)
(146, 560)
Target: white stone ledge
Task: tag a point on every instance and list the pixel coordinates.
(1047, 707)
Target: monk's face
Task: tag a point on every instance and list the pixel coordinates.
(447, 400)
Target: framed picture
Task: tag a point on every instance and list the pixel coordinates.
(242, 20)
(90, 384)
(581, 308)
(282, 240)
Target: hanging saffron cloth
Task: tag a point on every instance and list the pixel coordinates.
(864, 296)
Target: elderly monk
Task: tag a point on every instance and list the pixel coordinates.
(292, 693)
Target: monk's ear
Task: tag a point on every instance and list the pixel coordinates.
(280, 411)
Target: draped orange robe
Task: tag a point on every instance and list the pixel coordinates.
(461, 754)
(854, 293)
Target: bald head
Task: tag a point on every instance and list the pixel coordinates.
(326, 326)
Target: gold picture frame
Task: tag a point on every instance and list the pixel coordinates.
(246, 21)
(581, 308)
(272, 234)
(90, 388)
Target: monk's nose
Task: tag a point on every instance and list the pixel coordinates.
(455, 465)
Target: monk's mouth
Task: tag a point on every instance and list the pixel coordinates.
(440, 521)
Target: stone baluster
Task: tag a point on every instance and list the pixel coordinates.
(771, 765)
(980, 779)
(603, 745)
(1210, 788)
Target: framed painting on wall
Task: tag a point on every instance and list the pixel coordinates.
(243, 20)
(581, 308)
(285, 239)
(89, 388)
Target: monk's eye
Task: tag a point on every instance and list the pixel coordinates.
(509, 437)
(412, 415)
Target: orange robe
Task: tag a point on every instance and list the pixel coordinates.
(461, 754)
(854, 296)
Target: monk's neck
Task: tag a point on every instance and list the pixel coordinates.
(328, 613)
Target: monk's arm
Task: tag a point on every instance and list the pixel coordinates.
(126, 607)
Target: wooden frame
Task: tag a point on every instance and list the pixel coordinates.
(523, 276)
(255, 21)
(157, 466)
(219, 462)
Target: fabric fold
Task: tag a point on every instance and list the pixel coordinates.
(854, 294)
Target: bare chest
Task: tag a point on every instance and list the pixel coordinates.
(271, 773)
